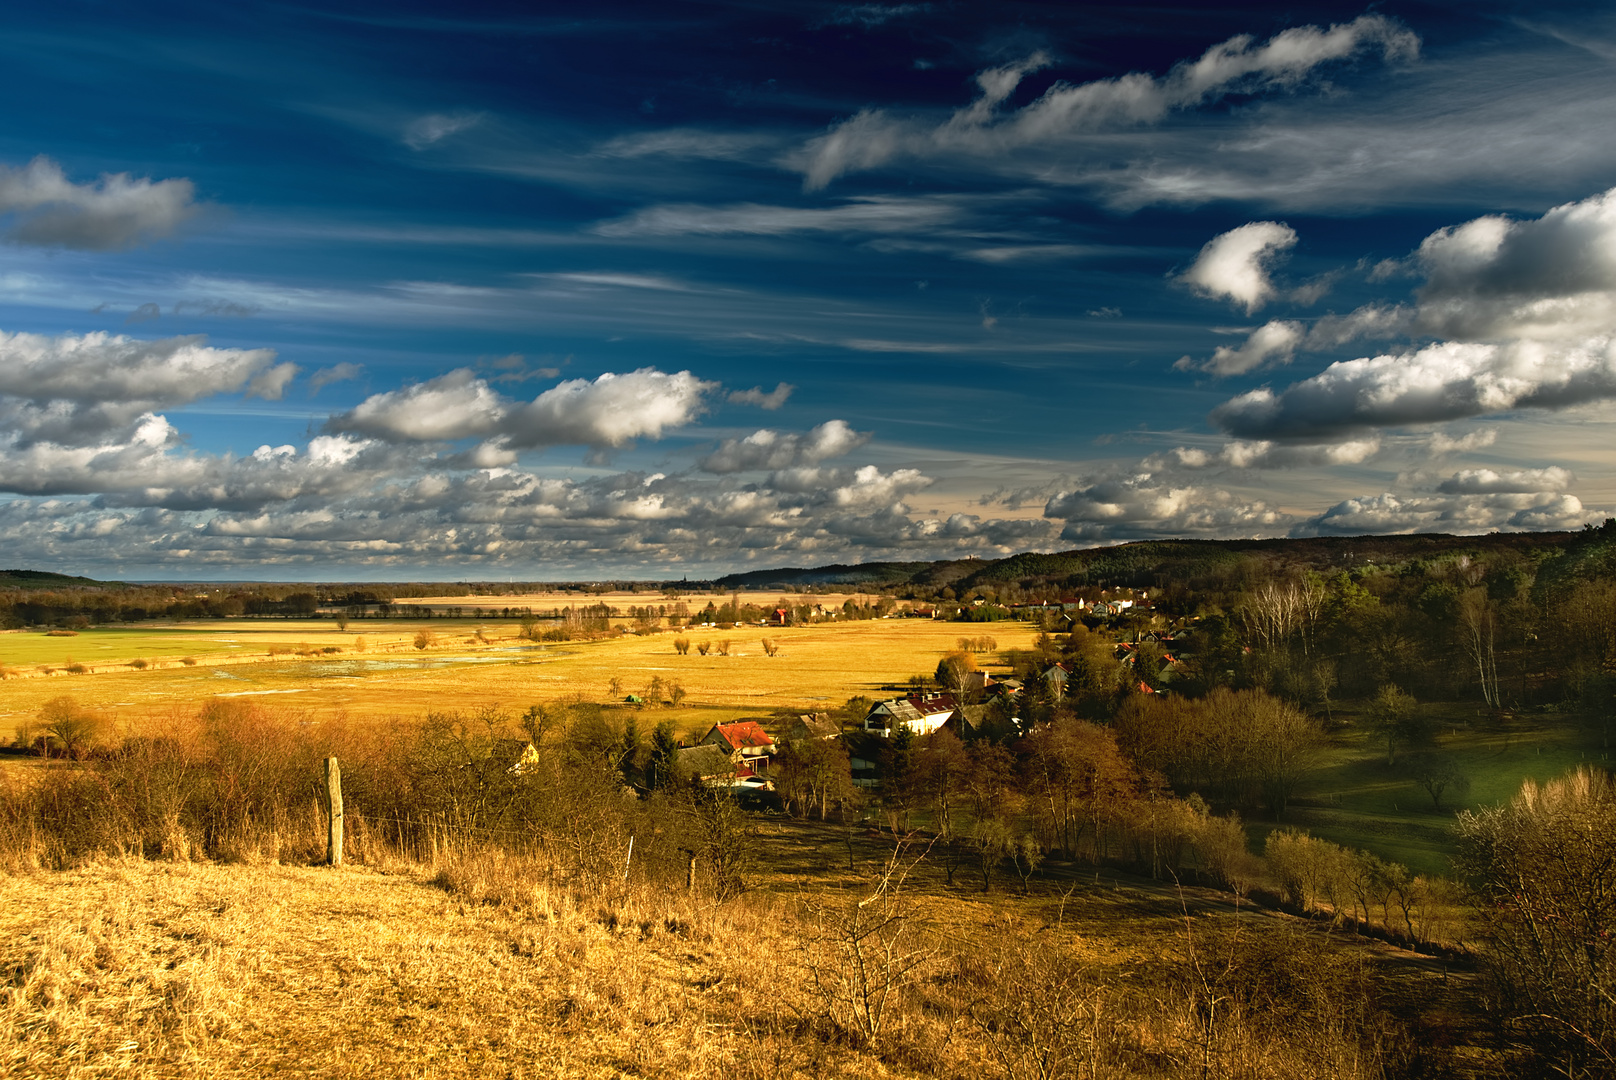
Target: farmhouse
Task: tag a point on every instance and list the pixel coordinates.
(810, 726)
(708, 764)
(965, 721)
(746, 743)
(921, 715)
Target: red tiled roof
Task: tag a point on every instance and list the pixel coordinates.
(744, 733)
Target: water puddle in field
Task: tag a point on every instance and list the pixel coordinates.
(217, 674)
(254, 693)
(358, 668)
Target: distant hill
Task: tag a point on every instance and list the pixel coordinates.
(44, 579)
(874, 574)
(1150, 563)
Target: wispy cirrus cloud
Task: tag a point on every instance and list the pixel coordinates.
(768, 401)
(870, 213)
(875, 138)
(424, 131)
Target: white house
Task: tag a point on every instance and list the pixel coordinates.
(920, 714)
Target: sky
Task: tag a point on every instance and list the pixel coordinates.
(536, 291)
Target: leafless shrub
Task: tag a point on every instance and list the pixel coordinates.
(863, 953)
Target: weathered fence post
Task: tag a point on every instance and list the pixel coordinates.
(333, 805)
(690, 869)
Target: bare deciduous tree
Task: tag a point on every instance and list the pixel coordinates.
(1477, 632)
(863, 954)
(69, 725)
(1544, 873)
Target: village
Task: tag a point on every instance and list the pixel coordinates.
(960, 700)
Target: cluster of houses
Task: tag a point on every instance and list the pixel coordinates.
(740, 753)
(1057, 675)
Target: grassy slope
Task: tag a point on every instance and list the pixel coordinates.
(158, 969)
(201, 970)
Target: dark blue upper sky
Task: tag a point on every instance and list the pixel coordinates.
(482, 290)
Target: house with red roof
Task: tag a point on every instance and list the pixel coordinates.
(746, 743)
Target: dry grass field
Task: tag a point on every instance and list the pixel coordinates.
(373, 671)
(481, 967)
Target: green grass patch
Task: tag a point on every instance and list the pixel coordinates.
(1356, 799)
(115, 645)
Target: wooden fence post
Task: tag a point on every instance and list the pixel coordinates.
(333, 804)
(690, 869)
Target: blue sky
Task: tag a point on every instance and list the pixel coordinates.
(568, 291)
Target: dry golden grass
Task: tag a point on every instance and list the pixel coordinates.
(484, 965)
(152, 969)
(817, 667)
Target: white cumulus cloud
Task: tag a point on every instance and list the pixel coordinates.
(1235, 264)
(1145, 505)
(766, 449)
(115, 212)
(606, 412)
(1552, 278)
(1467, 513)
(1512, 481)
(1445, 381)
(1264, 454)
(451, 406)
(1272, 343)
(610, 411)
(77, 389)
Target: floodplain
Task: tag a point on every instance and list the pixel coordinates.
(401, 668)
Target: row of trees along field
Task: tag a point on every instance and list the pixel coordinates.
(88, 603)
